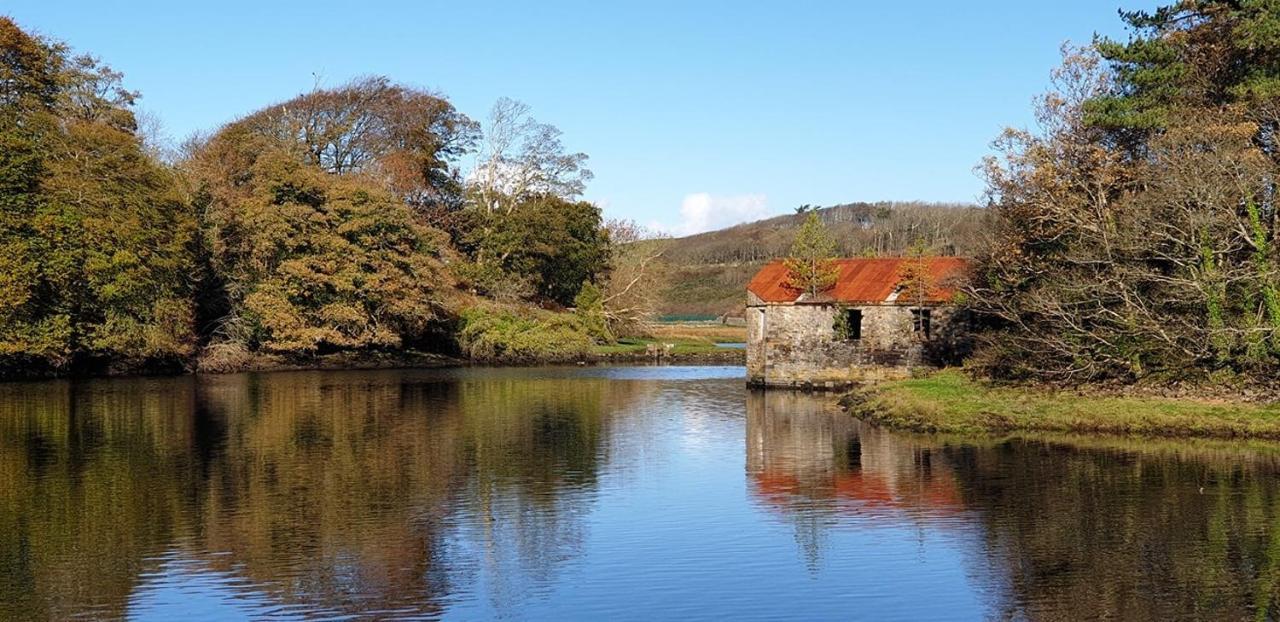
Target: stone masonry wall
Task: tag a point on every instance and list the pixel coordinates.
(795, 344)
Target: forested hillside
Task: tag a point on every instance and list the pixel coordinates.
(707, 274)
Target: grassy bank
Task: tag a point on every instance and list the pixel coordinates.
(950, 402)
(498, 334)
(682, 350)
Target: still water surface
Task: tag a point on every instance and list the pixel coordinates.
(596, 493)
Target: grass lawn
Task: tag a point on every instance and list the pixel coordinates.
(950, 402)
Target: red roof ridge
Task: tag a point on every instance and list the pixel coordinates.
(862, 280)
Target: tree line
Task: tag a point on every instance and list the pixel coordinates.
(340, 220)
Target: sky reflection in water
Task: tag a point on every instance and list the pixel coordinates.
(590, 493)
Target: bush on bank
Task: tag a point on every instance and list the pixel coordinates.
(506, 334)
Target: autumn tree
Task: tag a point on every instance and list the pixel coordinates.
(315, 241)
(406, 140)
(95, 236)
(811, 264)
(915, 279)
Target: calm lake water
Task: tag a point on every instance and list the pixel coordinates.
(596, 493)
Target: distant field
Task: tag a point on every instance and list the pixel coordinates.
(709, 333)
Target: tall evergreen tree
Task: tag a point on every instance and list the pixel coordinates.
(1188, 55)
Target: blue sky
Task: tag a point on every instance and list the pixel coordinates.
(695, 115)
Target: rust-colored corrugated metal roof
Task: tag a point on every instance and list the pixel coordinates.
(862, 280)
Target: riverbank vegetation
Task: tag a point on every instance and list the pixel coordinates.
(1135, 233)
(952, 402)
(338, 225)
(702, 341)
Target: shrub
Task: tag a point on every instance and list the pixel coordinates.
(526, 335)
(589, 307)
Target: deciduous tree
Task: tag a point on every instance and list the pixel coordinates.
(636, 276)
(521, 159)
(96, 237)
(551, 243)
(1136, 232)
(315, 262)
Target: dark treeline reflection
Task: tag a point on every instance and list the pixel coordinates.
(1152, 533)
(1085, 529)
(487, 493)
(328, 492)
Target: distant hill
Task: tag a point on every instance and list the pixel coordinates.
(707, 273)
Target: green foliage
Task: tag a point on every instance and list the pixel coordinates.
(522, 335)
(301, 229)
(810, 261)
(318, 241)
(552, 243)
(1263, 264)
(97, 238)
(841, 326)
(589, 307)
(1188, 54)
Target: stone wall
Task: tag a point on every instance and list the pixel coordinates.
(796, 344)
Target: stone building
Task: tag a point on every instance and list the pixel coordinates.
(868, 326)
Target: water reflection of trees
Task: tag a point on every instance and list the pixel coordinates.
(336, 492)
(92, 484)
(1136, 533)
(1078, 530)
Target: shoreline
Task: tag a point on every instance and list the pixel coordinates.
(393, 360)
(948, 402)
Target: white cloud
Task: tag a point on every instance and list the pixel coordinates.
(703, 211)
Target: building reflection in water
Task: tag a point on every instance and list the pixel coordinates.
(804, 454)
(485, 493)
(1052, 528)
